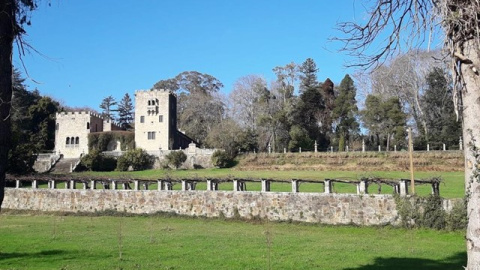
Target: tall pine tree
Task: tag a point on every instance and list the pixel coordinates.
(125, 111)
(345, 113)
(106, 106)
(442, 124)
(308, 75)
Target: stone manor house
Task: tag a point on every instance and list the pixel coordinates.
(155, 126)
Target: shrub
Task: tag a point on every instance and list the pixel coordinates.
(221, 159)
(433, 213)
(429, 213)
(122, 163)
(176, 158)
(96, 161)
(139, 159)
(457, 218)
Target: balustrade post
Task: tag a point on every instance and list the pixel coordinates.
(17, 183)
(396, 189)
(136, 185)
(209, 185)
(72, 184)
(403, 188)
(362, 187)
(35, 184)
(124, 185)
(295, 186)
(114, 185)
(328, 186)
(184, 185)
(93, 184)
(160, 184)
(235, 185)
(265, 185)
(436, 188)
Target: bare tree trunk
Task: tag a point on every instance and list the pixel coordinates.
(471, 135)
(7, 19)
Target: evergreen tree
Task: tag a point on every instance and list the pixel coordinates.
(308, 75)
(385, 121)
(326, 120)
(372, 117)
(442, 124)
(395, 122)
(345, 112)
(106, 106)
(33, 126)
(307, 115)
(125, 110)
(299, 139)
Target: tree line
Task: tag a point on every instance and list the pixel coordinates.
(293, 112)
(296, 110)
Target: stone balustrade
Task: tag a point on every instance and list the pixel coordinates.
(238, 185)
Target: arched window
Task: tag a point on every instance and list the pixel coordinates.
(77, 140)
(88, 125)
(68, 140)
(149, 103)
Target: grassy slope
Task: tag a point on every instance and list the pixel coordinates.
(67, 242)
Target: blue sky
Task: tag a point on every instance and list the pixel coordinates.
(92, 49)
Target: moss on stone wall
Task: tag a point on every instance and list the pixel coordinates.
(100, 140)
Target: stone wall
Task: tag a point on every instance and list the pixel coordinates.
(278, 206)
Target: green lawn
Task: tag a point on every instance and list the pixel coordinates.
(154, 242)
(452, 187)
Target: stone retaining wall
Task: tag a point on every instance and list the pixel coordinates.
(278, 206)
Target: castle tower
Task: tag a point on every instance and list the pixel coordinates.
(155, 120)
(71, 132)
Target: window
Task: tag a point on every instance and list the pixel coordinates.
(149, 103)
(88, 125)
(77, 140)
(142, 119)
(160, 118)
(68, 140)
(151, 135)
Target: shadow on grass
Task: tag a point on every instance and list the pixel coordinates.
(18, 255)
(454, 262)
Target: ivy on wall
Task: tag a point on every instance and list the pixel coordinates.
(99, 141)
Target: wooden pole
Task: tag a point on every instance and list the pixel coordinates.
(410, 151)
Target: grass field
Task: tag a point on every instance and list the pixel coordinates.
(452, 187)
(155, 242)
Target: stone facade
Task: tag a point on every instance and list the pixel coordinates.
(278, 206)
(156, 121)
(155, 126)
(71, 132)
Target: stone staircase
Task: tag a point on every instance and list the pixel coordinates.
(64, 165)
